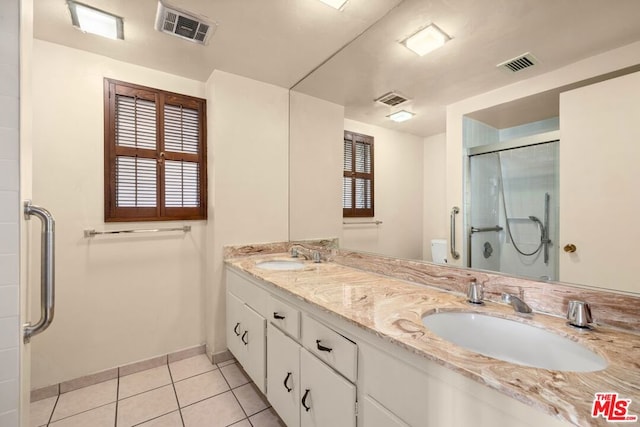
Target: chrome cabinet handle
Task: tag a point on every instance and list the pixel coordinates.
(285, 382)
(304, 400)
(454, 253)
(242, 338)
(47, 270)
(235, 329)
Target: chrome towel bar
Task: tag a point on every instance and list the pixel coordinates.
(92, 232)
(376, 222)
(483, 229)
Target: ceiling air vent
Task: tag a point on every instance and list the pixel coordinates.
(183, 24)
(519, 63)
(392, 99)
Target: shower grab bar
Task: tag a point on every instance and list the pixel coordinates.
(545, 236)
(483, 229)
(92, 232)
(454, 253)
(47, 270)
(376, 222)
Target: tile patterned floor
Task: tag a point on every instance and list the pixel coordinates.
(187, 393)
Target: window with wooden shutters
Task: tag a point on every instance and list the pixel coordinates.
(155, 154)
(357, 181)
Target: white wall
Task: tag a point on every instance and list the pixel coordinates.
(434, 198)
(248, 163)
(119, 298)
(10, 330)
(398, 195)
(613, 60)
(316, 150)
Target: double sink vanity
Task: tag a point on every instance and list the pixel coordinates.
(370, 341)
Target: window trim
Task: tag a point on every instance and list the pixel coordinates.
(112, 213)
(355, 212)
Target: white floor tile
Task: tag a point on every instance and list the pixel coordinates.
(143, 407)
(266, 418)
(86, 398)
(40, 411)
(219, 411)
(190, 367)
(103, 416)
(234, 375)
(170, 420)
(251, 399)
(143, 381)
(200, 387)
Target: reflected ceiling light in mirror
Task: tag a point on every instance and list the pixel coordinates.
(336, 4)
(401, 116)
(426, 40)
(95, 21)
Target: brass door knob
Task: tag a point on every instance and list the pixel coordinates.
(570, 248)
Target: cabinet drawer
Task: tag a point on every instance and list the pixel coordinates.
(284, 316)
(331, 347)
(247, 291)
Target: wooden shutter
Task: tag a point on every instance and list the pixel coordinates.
(358, 181)
(155, 154)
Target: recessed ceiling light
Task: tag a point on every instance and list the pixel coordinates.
(401, 116)
(95, 21)
(336, 4)
(424, 41)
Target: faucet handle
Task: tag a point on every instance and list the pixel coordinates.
(316, 257)
(294, 252)
(475, 293)
(579, 314)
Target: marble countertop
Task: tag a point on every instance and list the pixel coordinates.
(393, 310)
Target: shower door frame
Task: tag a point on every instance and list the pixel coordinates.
(527, 141)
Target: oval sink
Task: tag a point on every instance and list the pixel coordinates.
(513, 342)
(282, 265)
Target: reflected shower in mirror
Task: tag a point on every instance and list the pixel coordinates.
(513, 211)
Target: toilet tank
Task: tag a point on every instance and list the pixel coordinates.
(439, 251)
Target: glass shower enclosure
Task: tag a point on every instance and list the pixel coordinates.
(513, 199)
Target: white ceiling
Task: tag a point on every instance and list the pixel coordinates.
(274, 41)
(281, 41)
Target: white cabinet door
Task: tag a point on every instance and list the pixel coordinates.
(283, 376)
(327, 398)
(375, 415)
(254, 340)
(599, 175)
(235, 327)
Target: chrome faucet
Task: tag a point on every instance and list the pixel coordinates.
(579, 314)
(518, 305)
(299, 250)
(475, 293)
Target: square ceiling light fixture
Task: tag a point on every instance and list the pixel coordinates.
(426, 40)
(401, 116)
(336, 4)
(95, 21)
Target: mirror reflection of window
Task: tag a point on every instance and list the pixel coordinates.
(357, 196)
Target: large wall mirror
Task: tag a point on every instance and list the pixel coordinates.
(538, 154)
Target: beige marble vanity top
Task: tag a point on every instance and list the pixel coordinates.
(393, 310)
